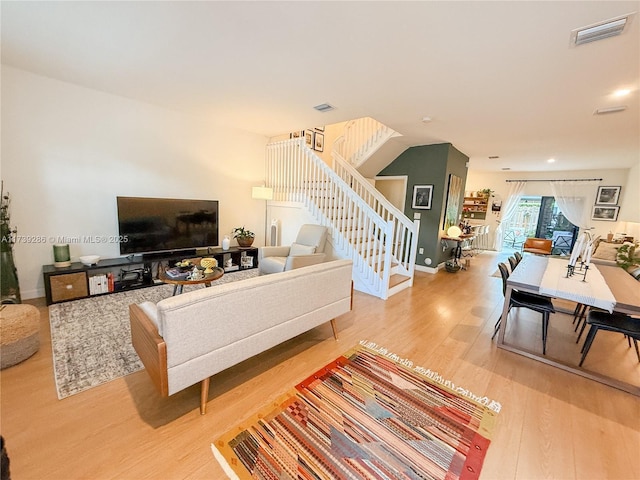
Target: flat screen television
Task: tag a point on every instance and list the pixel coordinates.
(149, 225)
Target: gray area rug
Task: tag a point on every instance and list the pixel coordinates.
(91, 338)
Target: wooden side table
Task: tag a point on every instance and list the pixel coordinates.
(178, 284)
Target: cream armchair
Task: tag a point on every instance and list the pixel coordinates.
(308, 249)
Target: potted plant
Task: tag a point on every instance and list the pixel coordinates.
(486, 192)
(627, 257)
(244, 237)
(10, 287)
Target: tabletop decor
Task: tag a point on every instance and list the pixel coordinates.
(583, 249)
(368, 414)
(209, 264)
(244, 237)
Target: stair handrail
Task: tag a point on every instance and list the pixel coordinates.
(405, 231)
(297, 173)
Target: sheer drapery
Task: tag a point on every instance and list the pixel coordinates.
(509, 208)
(574, 200)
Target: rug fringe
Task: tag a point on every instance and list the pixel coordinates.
(433, 376)
(223, 463)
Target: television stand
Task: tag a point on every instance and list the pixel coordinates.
(135, 271)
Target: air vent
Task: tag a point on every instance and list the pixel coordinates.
(493, 157)
(324, 107)
(600, 31)
(605, 111)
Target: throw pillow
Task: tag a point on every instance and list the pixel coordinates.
(299, 249)
(606, 251)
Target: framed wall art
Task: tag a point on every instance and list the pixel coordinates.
(422, 195)
(608, 195)
(609, 214)
(318, 142)
(308, 138)
(452, 209)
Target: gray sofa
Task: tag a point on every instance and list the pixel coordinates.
(187, 338)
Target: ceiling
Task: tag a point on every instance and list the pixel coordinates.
(496, 78)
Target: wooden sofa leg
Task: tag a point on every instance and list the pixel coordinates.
(335, 329)
(204, 395)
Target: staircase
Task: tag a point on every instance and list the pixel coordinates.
(362, 138)
(362, 224)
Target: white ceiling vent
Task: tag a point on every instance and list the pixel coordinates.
(324, 107)
(600, 31)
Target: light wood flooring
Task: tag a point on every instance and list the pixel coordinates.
(553, 424)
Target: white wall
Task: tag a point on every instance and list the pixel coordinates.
(68, 151)
(477, 180)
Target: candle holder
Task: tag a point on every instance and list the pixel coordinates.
(570, 270)
(61, 256)
(584, 276)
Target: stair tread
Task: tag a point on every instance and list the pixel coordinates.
(397, 279)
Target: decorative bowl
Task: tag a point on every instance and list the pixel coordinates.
(209, 264)
(89, 259)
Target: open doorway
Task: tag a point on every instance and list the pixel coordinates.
(540, 217)
(394, 188)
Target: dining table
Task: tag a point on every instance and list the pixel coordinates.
(606, 287)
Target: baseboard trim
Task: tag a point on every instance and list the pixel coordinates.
(420, 268)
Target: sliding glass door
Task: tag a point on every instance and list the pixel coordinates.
(540, 217)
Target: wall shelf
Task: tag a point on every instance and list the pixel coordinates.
(475, 208)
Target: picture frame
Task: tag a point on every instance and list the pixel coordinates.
(296, 134)
(454, 197)
(422, 196)
(608, 195)
(607, 214)
(318, 141)
(308, 138)
(320, 129)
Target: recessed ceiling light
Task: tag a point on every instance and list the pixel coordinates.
(622, 92)
(551, 160)
(604, 111)
(600, 31)
(426, 119)
(324, 107)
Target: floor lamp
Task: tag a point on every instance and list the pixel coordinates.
(263, 193)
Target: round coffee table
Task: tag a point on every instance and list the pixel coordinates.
(179, 283)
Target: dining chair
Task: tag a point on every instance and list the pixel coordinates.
(611, 322)
(537, 303)
(513, 263)
(518, 256)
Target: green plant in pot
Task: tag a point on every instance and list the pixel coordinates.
(486, 192)
(627, 257)
(244, 237)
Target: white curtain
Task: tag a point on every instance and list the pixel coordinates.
(575, 200)
(509, 208)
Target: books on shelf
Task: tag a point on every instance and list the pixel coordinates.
(101, 284)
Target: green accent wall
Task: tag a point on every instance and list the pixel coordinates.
(430, 165)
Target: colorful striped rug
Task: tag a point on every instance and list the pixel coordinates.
(368, 414)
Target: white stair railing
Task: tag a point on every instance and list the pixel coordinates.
(404, 230)
(357, 231)
(361, 138)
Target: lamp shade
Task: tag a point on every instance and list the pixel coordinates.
(454, 231)
(262, 193)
